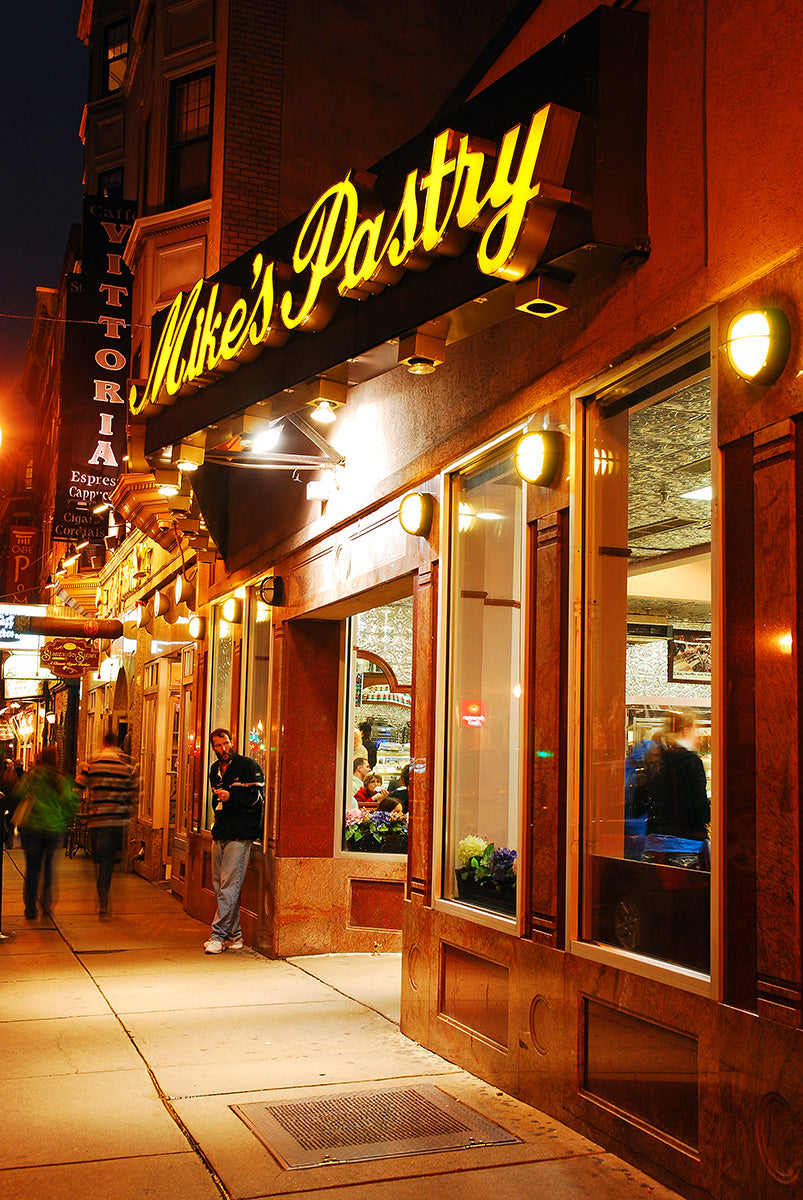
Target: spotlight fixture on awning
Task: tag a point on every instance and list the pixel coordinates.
(758, 344)
(537, 456)
(188, 455)
(542, 296)
(184, 590)
(421, 352)
(162, 605)
(415, 513)
(101, 508)
(168, 481)
(329, 395)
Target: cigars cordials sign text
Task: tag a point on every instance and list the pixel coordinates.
(350, 246)
(97, 352)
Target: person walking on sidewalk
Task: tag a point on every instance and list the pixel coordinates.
(236, 783)
(47, 806)
(109, 781)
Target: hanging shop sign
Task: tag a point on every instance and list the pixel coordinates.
(97, 352)
(69, 657)
(349, 245)
(22, 579)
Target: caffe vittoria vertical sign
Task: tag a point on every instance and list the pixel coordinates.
(95, 366)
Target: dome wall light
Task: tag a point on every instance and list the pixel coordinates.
(757, 344)
(421, 353)
(415, 513)
(232, 610)
(537, 456)
(188, 455)
(197, 628)
(329, 395)
(271, 590)
(541, 296)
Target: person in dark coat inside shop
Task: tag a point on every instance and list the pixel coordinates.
(672, 792)
(369, 743)
(236, 783)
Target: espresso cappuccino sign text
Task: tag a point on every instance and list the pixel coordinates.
(350, 246)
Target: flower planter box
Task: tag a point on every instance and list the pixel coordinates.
(487, 894)
(392, 843)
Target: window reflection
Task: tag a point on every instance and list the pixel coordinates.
(648, 665)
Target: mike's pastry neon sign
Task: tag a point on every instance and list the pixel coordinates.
(350, 246)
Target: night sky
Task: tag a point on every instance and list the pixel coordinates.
(43, 84)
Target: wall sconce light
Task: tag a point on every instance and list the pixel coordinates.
(197, 628)
(184, 590)
(541, 296)
(188, 455)
(415, 513)
(537, 456)
(329, 395)
(232, 610)
(758, 344)
(421, 353)
(271, 590)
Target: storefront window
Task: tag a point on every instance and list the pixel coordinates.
(484, 689)
(258, 655)
(378, 737)
(647, 748)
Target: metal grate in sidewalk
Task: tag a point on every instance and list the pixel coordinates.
(361, 1126)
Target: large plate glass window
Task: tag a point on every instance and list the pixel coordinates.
(379, 729)
(484, 684)
(647, 688)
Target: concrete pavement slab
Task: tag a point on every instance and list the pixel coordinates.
(215, 983)
(41, 966)
(159, 1177)
(131, 931)
(168, 961)
(373, 979)
(112, 1114)
(68, 1046)
(28, 1000)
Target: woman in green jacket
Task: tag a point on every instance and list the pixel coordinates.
(53, 804)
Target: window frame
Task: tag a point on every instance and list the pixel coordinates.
(173, 146)
(110, 59)
(513, 925)
(582, 398)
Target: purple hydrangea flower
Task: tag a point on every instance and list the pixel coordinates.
(502, 864)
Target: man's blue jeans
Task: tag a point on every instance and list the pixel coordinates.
(229, 864)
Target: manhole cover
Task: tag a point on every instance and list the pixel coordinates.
(359, 1126)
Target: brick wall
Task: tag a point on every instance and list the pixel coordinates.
(252, 143)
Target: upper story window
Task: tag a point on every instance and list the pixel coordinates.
(190, 139)
(110, 184)
(115, 56)
(648, 733)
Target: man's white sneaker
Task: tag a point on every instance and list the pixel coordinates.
(213, 946)
(233, 944)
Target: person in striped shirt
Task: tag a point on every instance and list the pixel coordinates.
(109, 786)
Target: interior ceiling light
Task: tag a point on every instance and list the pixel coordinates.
(537, 456)
(541, 296)
(758, 344)
(465, 516)
(415, 513)
(329, 395)
(487, 514)
(703, 493)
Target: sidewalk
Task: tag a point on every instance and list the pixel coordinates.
(124, 1047)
